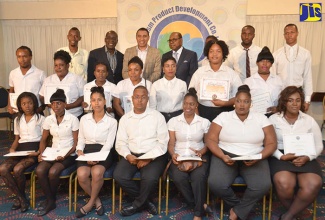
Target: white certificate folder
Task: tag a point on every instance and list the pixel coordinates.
(299, 144)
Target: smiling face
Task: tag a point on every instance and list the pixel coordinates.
(100, 73)
(111, 40)
(27, 105)
(264, 66)
(242, 104)
(61, 68)
(293, 104)
(97, 102)
(189, 105)
(58, 107)
(134, 71)
(24, 58)
(142, 38)
(215, 54)
(73, 38)
(169, 69)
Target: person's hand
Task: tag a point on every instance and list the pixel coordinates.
(109, 109)
(217, 102)
(11, 110)
(288, 157)
(306, 104)
(197, 152)
(250, 162)
(227, 160)
(40, 158)
(33, 154)
(92, 163)
(59, 158)
(84, 104)
(80, 153)
(300, 161)
(143, 163)
(11, 150)
(174, 159)
(271, 109)
(132, 159)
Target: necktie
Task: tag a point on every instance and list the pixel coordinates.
(175, 56)
(248, 69)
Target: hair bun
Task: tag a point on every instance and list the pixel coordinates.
(58, 96)
(192, 91)
(97, 89)
(243, 88)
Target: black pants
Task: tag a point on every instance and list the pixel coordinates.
(211, 113)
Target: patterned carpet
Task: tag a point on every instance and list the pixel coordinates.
(177, 207)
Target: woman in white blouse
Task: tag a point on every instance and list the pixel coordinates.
(167, 93)
(97, 133)
(240, 133)
(63, 126)
(28, 133)
(124, 89)
(290, 171)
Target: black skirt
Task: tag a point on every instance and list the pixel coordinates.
(32, 146)
(92, 148)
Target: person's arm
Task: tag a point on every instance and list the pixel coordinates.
(270, 142)
(153, 97)
(42, 144)
(75, 104)
(14, 144)
(91, 67)
(111, 136)
(126, 58)
(171, 146)
(117, 106)
(9, 108)
(221, 103)
(73, 149)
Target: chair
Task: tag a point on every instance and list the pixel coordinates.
(3, 104)
(137, 177)
(240, 182)
(108, 175)
(323, 124)
(69, 172)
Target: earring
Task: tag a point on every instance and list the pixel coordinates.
(234, 106)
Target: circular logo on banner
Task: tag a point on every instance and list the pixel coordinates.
(193, 30)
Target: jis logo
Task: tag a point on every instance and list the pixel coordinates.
(310, 12)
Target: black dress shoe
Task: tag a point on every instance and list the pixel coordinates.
(41, 205)
(127, 211)
(24, 206)
(81, 213)
(208, 210)
(100, 210)
(48, 208)
(16, 205)
(151, 208)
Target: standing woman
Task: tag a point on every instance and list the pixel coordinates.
(28, 133)
(216, 52)
(63, 126)
(167, 93)
(186, 135)
(290, 171)
(97, 133)
(239, 133)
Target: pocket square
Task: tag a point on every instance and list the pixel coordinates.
(185, 61)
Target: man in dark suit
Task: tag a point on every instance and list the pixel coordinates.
(109, 55)
(187, 62)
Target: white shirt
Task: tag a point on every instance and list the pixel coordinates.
(304, 124)
(29, 131)
(293, 65)
(108, 88)
(142, 133)
(79, 62)
(62, 133)
(76, 84)
(237, 59)
(142, 54)
(102, 132)
(224, 73)
(204, 62)
(273, 85)
(125, 88)
(167, 95)
(178, 52)
(30, 82)
(241, 137)
(188, 135)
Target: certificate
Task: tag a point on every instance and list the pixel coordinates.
(97, 156)
(50, 154)
(50, 89)
(299, 144)
(127, 104)
(19, 153)
(248, 157)
(87, 94)
(211, 89)
(261, 102)
(13, 100)
(189, 157)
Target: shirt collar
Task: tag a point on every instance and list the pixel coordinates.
(235, 116)
(138, 50)
(244, 48)
(179, 51)
(301, 115)
(287, 46)
(195, 119)
(142, 115)
(106, 50)
(104, 119)
(172, 81)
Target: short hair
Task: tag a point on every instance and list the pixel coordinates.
(222, 45)
(165, 59)
(291, 25)
(74, 29)
(249, 27)
(25, 48)
(62, 55)
(33, 97)
(142, 87)
(178, 34)
(211, 37)
(136, 60)
(101, 63)
(143, 29)
(58, 96)
(284, 98)
(244, 89)
(191, 93)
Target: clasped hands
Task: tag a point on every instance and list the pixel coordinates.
(296, 160)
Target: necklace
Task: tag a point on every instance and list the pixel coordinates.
(290, 121)
(285, 53)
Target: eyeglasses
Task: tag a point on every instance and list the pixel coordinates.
(173, 40)
(140, 97)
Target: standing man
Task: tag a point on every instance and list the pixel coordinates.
(293, 64)
(142, 131)
(186, 60)
(79, 56)
(242, 58)
(26, 77)
(150, 57)
(108, 55)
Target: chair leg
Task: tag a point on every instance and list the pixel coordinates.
(315, 209)
(31, 190)
(159, 196)
(33, 182)
(120, 200)
(221, 209)
(113, 196)
(75, 192)
(270, 203)
(167, 193)
(208, 194)
(264, 207)
(71, 179)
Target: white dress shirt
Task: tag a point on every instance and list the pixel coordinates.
(32, 81)
(178, 52)
(108, 88)
(293, 65)
(92, 132)
(304, 124)
(142, 54)
(142, 133)
(62, 133)
(79, 62)
(242, 137)
(237, 59)
(224, 73)
(188, 135)
(273, 85)
(167, 95)
(76, 84)
(29, 131)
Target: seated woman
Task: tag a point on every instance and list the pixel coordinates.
(63, 126)
(288, 170)
(124, 88)
(28, 133)
(186, 134)
(240, 133)
(167, 93)
(96, 133)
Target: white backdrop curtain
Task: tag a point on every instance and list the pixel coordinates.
(44, 37)
(269, 32)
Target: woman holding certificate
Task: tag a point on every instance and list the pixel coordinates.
(186, 134)
(63, 126)
(216, 84)
(294, 162)
(167, 93)
(122, 102)
(97, 132)
(28, 133)
(249, 135)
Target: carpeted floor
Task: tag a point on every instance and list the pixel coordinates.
(177, 207)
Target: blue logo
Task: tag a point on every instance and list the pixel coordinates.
(310, 12)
